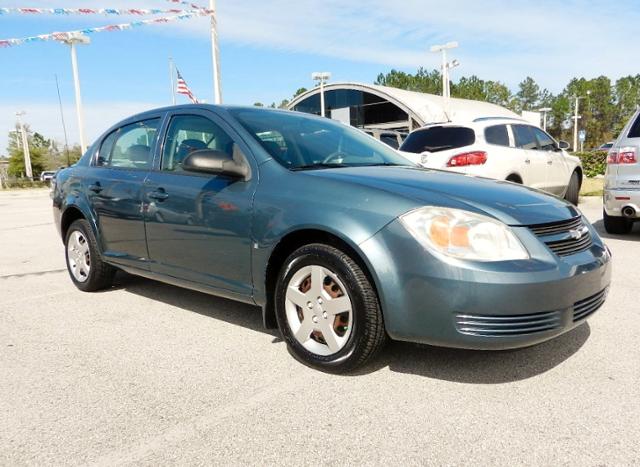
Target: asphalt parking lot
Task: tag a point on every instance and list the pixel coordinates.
(147, 373)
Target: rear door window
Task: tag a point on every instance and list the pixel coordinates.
(524, 137)
(438, 138)
(129, 146)
(497, 134)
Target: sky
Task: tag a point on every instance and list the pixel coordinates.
(269, 49)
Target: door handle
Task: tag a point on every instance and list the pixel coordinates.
(549, 162)
(96, 187)
(159, 195)
(527, 161)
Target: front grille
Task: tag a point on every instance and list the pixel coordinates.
(507, 325)
(564, 238)
(586, 307)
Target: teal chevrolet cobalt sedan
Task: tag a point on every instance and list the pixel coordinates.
(342, 242)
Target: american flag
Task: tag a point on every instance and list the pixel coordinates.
(184, 89)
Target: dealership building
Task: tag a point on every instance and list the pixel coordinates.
(370, 106)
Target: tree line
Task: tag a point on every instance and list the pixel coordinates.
(605, 108)
(45, 153)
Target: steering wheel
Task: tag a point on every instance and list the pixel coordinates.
(334, 156)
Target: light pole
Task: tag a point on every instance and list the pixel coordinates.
(25, 147)
(322, 77)
(442, 48)
(215, 54)
(72, 41)
(544, 111)
(575, 119)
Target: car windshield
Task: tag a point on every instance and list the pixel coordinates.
(299, 142)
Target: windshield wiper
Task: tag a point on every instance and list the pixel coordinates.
(385, 164)
(319, 165)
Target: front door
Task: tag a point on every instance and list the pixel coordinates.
(535, 172)
(114, 188)
(557, 169)
(199, 225)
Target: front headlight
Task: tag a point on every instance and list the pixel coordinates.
(463, 234)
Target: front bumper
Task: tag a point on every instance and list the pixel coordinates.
(452, 303)
(617, 199)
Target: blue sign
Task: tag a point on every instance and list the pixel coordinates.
(582, 135)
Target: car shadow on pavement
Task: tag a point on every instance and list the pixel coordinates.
(633, 236)
(480, 366)
(240, 314)
(464, 366)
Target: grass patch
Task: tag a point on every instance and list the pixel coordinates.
(592, 187)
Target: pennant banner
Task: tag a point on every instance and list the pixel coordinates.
(59, 36)
(101, 11)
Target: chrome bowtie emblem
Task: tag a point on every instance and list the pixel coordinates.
(577, 234)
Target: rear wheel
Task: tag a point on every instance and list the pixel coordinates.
(86, 269)
(573, 190)
(327, 310)
(616, 225)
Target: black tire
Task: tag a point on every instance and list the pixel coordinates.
(100, 273)
(514, 179)
(367, 336)
(573, 190)
(616, 225)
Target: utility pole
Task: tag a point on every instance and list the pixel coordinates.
(576, 117)
(322, 77)
(446, 66)
(215, 54)
(64, 126)
(25, 147)
(72, 41)
(544, 111)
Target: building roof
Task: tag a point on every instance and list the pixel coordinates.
(424, 108)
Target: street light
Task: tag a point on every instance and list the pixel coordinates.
(544, 111)
(322, 77)
(575, 119)
(71, 41)
(25, 147)
(446, 92)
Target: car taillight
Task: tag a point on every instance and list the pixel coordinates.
(468, 158)
(623, 156)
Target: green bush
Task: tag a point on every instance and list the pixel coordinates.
(593, 163)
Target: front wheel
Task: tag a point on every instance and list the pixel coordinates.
(573, 190)
(327, 310)
(616, 225)
(86, 269)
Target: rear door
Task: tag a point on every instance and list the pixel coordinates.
(114, 188)
(535, 170)
(199, 225)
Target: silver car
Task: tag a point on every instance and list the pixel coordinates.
(622, 180)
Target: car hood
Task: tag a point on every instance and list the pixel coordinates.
(508, 202)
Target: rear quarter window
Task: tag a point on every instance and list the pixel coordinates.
(438, 138)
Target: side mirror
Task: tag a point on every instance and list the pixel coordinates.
(216, 162)
(563, 145)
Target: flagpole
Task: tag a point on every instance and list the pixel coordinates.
(215, 54)
(172, 83)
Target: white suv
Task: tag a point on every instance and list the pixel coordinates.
(622, 180)
(500, 148)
